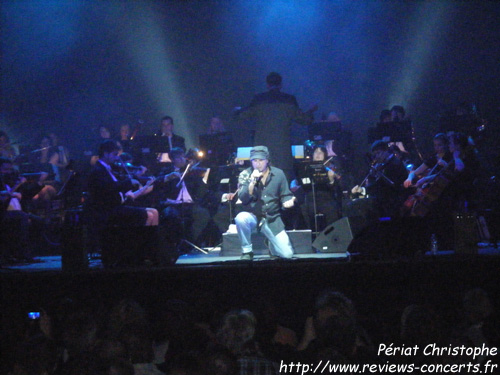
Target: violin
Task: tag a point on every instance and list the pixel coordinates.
(375, 173)
(330, 166)
(192, 169)
(123, 170)
(377, 170)
(143, 190)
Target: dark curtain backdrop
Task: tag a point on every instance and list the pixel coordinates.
(72, 66)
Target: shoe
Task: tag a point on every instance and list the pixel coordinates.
(247, 256)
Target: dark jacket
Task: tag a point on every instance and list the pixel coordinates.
(104, 192)
(266, 200)
(385, 185)
(177, 141)
(274, 112)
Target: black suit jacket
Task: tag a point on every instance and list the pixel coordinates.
(104, 192)
(274, 112)
(177, 141)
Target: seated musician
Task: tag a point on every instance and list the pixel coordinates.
(449, 191)
(327, 191)
(127, 160)
(41, 181)
(397, 130)
(124, 138)
(60, 158)
(385, 116)
(63, 157)
(433, 164)
(463, 168)
(167, 131)
(14, 244)
(384, 181)
(6, 149)
(104, 133)
(107, 194)
(217, 143)
(184, 190)
(31, 181)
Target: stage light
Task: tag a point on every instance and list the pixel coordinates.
(147, 44)
(431, 21)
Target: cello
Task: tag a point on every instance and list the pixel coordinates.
(420, 203)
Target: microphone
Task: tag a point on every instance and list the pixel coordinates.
(256, 180)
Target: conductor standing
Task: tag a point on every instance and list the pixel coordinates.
(274, 112)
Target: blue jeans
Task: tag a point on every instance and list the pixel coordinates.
(246, 224)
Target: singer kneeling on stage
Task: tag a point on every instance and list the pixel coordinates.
(263, 190)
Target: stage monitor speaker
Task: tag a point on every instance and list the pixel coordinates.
(335, 238)
(300, 239)
(403, 237)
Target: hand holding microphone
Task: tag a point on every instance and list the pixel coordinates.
(256, 176)
(289, 203)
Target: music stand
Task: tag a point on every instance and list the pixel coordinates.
(466, 124)
(324, 131)
(217, 147)
(182, 184)
(396, 131)
(311, 173)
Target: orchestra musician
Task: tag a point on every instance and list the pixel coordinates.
(183, 191)
(107, 194)
(127, 161)
(217, 143)
(63, 158)
(464, 169)
(40, 176)
(6, 148)
(385, 116)
(396, 128)
(325, 197)
(32, 184)
(263, 192)
(434, 163)
(104, 133)
(384, 181)
(124, 135)
(216, 125)
(171, 139)
(14, 236)
(451, 189)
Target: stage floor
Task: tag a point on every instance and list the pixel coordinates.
(195, 258)
(213, 258)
